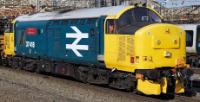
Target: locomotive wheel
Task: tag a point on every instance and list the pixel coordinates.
(98, 76)
(122, 81)
(81, 74)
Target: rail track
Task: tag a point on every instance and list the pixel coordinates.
(196, 78)
(73, 90)
(196, 70)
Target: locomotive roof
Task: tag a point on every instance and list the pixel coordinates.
(79, 13)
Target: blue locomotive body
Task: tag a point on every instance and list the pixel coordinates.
(73, 40)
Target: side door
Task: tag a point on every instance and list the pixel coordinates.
(119, 48)
(54, 40)
(101, 38)
(19, 41)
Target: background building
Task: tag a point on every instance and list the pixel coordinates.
(176, 12)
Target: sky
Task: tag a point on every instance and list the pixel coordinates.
(178, 3)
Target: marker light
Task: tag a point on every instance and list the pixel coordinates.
(137, 59)
(31, 31)
(132, 59)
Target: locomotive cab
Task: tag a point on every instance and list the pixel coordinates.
(136, 41)
(120, 35)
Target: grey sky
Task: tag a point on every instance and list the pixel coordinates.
(178, 3)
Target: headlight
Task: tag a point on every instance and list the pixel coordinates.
(167, 54)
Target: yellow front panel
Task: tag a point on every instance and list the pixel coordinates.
(118, 52)
(9, 44)
(155, 46)
(163, 43)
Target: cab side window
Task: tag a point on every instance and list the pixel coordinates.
(132, 20)
(189, 38)
(110, 27)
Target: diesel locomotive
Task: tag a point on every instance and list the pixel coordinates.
(124, 47)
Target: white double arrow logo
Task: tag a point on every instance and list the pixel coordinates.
(78, 36)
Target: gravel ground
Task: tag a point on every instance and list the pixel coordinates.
(21, 86)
